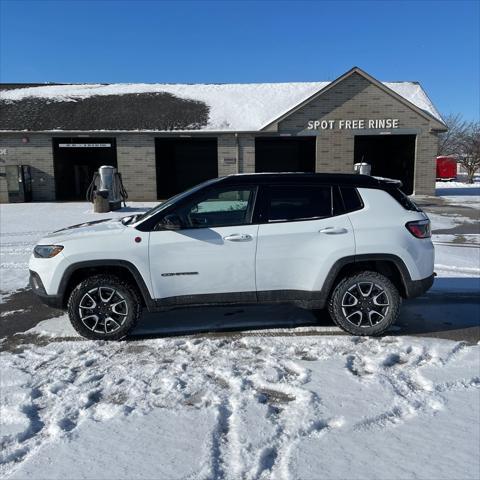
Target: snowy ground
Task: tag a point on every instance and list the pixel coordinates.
(22, 225)
(298, 407)
(238, 406)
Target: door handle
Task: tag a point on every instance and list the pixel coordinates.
(333, 230)
(238, 237)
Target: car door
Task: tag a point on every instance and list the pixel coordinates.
(301, 237)
(211, 258)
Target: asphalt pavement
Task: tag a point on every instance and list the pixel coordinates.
(454, 316)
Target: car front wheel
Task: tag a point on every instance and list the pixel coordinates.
(365, 303)
(104, 307)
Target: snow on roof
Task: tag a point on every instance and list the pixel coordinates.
(232, 107)
(414, 93)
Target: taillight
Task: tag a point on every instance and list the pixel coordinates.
(420, 228)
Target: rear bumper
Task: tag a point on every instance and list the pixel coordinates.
(54, 301)
(415, 288)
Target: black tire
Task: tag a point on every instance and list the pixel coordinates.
(111, 320)
(369, 321)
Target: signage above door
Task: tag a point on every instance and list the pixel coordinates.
(353, 124)
(84, 145)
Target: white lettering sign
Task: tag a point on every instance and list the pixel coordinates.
(353, 124)
(84, 145)
(3, 151)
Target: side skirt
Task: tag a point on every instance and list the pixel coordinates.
(301, 298)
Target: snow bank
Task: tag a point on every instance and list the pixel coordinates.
(448, 185)
(248, 408)
(233, 107)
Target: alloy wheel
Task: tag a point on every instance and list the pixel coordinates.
(365, 304)
(103, 309)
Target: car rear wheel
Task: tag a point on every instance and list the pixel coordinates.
(365, 303)
(104, 307)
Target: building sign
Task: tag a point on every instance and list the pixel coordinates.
(84, 145)
(352, 124)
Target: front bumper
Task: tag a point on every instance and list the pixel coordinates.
(415, 288)
(54, 301)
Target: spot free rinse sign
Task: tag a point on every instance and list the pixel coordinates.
(353, 124)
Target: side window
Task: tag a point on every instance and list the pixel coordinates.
(351, 199)
(302, 202)
(219, 208)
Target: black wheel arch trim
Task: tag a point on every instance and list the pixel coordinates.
(412, 288)
(132, 269)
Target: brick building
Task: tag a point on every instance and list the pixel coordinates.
(165, 138)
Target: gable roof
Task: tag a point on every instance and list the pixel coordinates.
(414, 98)
(170, 107)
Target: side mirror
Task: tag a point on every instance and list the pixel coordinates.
(170, 222)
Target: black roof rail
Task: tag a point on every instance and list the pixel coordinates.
(347, 179)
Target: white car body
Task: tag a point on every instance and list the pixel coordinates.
(259, 261)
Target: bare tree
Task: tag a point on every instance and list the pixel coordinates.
(462, 141)
(469, 157)
(450, 142)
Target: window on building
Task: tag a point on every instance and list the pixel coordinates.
(302, 202)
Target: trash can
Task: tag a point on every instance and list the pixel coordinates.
(362, 168)
(100, 202)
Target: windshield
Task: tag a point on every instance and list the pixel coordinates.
(171, 201)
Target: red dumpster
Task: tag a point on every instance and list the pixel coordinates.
(446, 168)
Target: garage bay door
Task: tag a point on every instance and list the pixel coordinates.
(76, 160)
(391, 156)
(184, 162)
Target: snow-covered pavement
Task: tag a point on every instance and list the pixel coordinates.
(282, 407)
(246, 406)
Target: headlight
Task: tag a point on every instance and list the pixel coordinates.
(47, 251)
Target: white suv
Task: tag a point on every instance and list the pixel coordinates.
(353, 243)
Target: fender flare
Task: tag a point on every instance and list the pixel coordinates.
(368, 257)
(132, 269)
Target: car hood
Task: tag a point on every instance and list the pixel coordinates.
(96, 227)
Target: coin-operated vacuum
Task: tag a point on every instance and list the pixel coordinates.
(106, 191)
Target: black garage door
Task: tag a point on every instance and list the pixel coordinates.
(285, 154)
(183, 163)
(391, 156)
(76, 160)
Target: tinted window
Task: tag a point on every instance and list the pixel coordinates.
(403, 200)
(351, 199)
(302, 202)
(219, 208)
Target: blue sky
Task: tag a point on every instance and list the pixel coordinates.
(434, 42)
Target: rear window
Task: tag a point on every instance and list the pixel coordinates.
(351, 199)
(302, 202)
(403, 200)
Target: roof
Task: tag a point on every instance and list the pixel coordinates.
(166, 107)
(350, 179)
